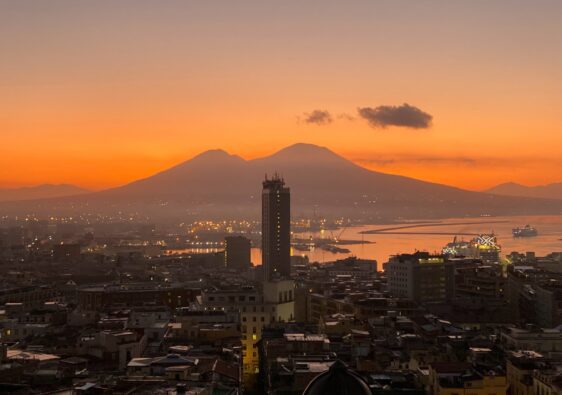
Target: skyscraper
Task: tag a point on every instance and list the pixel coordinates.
(276, 229)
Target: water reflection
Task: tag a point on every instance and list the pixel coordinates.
(433, 239)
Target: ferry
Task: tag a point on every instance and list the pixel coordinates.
(527, 231)
(334, 249)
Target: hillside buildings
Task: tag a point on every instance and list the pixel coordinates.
(140, 310)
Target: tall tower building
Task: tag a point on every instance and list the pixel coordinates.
(276, 229)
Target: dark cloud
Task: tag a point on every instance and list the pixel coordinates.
(404, 116)
(318, 117)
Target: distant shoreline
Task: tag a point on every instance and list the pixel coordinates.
(426, 225)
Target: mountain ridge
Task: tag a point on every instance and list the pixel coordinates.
(216, 183)
(547, 191)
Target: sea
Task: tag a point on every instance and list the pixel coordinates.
(432, 236)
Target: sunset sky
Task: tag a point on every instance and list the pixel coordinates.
(100, 93)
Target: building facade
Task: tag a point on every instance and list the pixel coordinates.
(276, 229)
(237, 252)
(421, 277)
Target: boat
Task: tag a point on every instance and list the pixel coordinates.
(527, 231)
(334, 249)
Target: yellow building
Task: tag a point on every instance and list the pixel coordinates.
(520, 366)
(278, 306)
(464, 379)
(256, 307)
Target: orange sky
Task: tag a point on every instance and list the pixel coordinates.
(99, 93)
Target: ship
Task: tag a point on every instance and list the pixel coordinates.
(335, 249)
(527, 231)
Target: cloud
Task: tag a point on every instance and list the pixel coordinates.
(346, 117)
(318, 117)
(382, 160)
(403, 116)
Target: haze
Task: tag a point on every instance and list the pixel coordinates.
(101, 93)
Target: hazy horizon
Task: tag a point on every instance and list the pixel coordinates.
(280, 197)
(157, 171)
(99, 94)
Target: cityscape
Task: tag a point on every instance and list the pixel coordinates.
(131, 307)
(228, 198)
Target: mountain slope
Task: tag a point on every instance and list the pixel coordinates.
(39, 192)
(549, 191)
(216, 184)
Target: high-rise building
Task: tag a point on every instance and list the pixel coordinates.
(276, 229)
(421, 277)
(237, 252)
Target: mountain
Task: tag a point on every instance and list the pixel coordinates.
(549, 191)
(217, 184)
(39, 192)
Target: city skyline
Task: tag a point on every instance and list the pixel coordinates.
(280, 198)
(102, 95)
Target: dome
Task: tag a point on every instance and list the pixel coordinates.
(338, 380)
